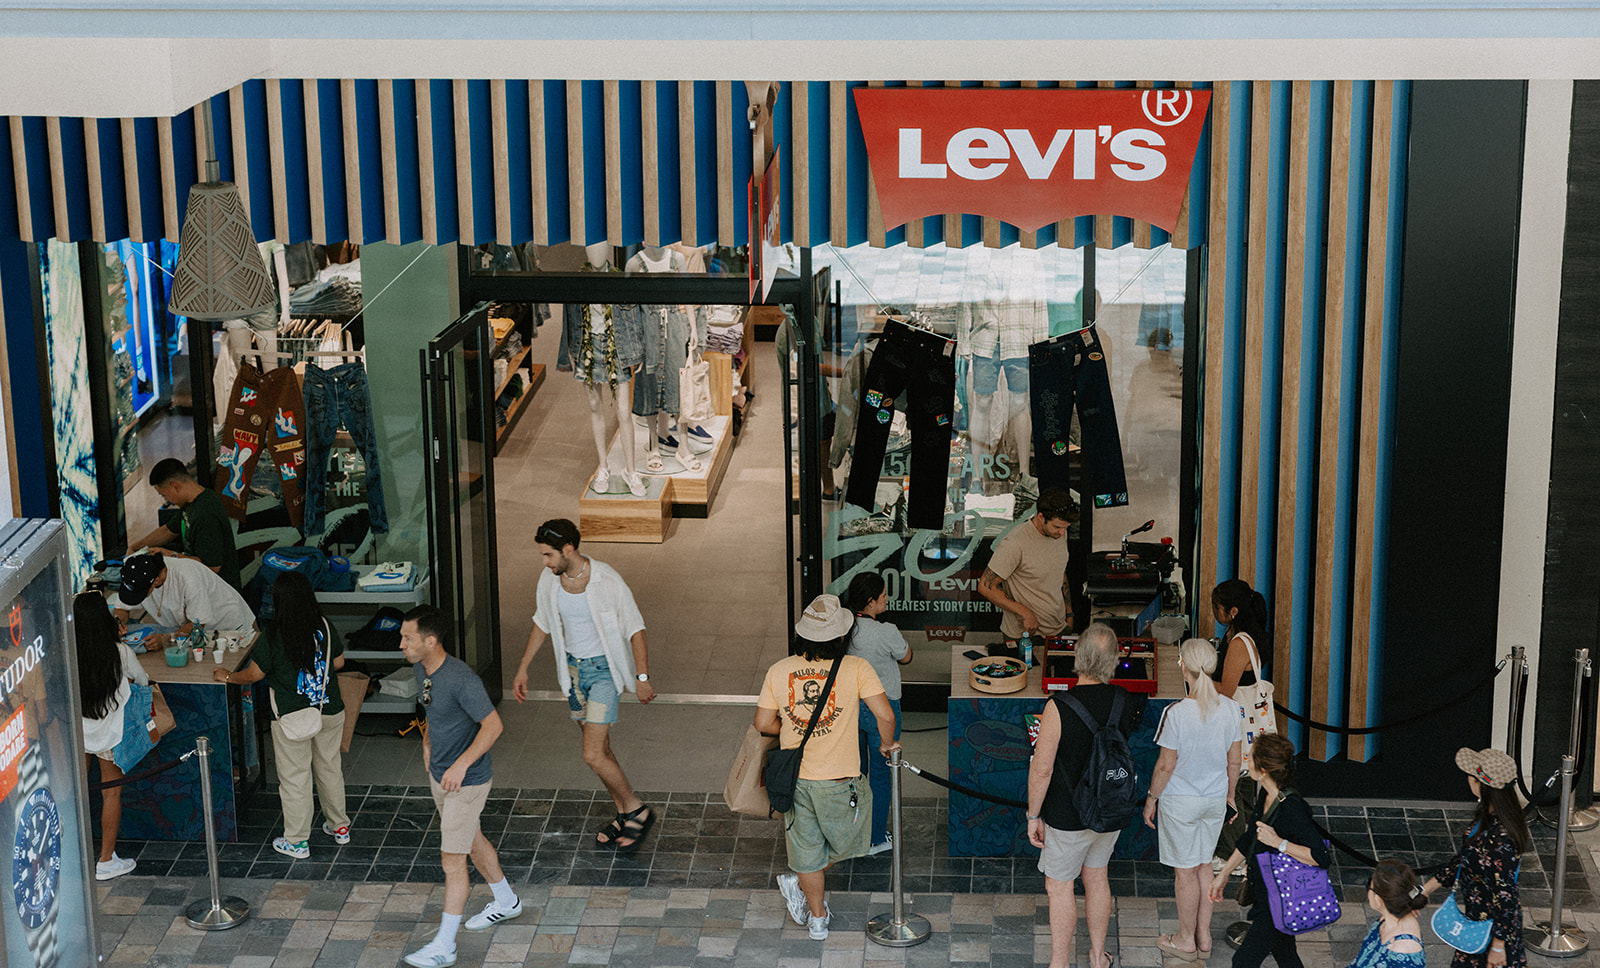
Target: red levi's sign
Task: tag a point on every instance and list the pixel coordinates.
(1031, 156)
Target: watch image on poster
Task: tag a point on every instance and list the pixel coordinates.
(46, 915)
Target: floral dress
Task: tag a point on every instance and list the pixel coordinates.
(1488, 863)
(1375, 952)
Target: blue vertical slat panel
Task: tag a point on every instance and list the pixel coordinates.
(480, 134)
(669, 167)
(296, 178)
(595, 196)
(185, 168)
(557, 182)
(36, 149)
(743, 160)
(971, 230)
(113, 187)
(446, 155)
(407, 170)
(75, 177)
(519, 165)
(782, 121)
(258, 151)
(1200, 180)
(819, 143)
(222, 136)
(705, 150)
(369, 132)
(26, 395)
(631, 144)
(1233, 328)
(147, 147)
(1277, 175)
(335, 201)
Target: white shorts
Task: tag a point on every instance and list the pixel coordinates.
(1187, 829)
(1067, 852)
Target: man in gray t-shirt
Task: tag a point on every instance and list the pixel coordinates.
(462, 725)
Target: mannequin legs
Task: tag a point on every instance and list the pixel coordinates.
(658, 428)
(623, 403)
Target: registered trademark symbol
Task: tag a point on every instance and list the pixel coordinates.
(1167, 103)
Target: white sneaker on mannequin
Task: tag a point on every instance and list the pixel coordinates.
(602, 481)
(636, 485)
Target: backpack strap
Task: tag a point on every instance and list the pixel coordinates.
(1076, 705)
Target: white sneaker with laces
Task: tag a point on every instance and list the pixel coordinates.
(289, 848)
(340, 835)
(789, 887)
(886, 845)
(105, 870)
(492, 914)
(818, 927)
(432, 955)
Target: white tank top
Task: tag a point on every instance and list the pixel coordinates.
(581, 637)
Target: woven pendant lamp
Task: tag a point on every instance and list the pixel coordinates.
(220, 272)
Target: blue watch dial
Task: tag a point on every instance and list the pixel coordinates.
(36, 863)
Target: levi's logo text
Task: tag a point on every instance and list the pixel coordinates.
(1031, 157)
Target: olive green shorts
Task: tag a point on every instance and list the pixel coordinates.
(822, 828)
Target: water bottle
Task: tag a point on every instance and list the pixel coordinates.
(1027, 650)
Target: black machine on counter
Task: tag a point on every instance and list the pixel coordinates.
(1134, 575)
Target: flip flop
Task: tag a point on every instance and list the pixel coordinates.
(634, 828)
(1165, 943)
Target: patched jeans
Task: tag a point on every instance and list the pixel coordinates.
(333, 398)
(1070, 371)
(265, 412)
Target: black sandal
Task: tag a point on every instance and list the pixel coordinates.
(611, 831)
(634, 828)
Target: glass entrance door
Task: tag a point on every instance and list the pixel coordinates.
(456, 375)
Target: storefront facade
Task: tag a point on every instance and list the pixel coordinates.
(1356, 345)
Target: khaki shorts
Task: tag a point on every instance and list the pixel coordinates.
(823, 828)
(1067, 852)
(458, 815)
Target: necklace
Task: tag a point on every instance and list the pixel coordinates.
(580, 579)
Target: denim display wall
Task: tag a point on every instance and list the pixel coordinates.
(61, 279)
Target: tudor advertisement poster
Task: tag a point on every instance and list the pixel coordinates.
(46, 916)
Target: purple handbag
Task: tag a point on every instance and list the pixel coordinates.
(1301, 896)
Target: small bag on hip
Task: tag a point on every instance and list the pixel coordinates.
(302, 724)
(783, 766)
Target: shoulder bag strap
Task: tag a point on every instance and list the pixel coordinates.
(1250, 647)
(822, 700)
(1076, 705)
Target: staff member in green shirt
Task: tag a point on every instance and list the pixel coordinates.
(204, 531)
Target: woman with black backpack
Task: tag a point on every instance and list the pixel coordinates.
(1072, 844)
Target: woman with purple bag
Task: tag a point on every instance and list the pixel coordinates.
(1284, 825)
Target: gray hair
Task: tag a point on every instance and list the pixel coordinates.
(1096, 655)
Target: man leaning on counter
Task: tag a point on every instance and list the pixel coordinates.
(179, 593)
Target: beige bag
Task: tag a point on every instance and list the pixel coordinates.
(353, 690)
(694, 390)
(746, 791)
(1256, 701)
(160, 715)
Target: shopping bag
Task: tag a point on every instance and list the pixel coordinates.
(161, 720)
(353, 690)
(694, 390)
(746, 791)
(1255, 700)
(1300, 896)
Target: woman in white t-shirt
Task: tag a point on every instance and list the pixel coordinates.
(1194, 781)
(105, 668)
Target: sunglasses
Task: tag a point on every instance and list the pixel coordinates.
(549, 536)
(427, 690)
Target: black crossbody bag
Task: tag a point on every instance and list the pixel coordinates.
(783, 766)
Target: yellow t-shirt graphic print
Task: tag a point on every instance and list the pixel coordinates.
(792, 687)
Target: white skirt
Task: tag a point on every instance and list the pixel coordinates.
(1187, 829)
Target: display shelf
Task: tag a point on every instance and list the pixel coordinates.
(351, 610)
(722, 380)
(514, 412)
(378, 702)
(511, 371)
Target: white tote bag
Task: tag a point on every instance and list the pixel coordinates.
(1256, 702)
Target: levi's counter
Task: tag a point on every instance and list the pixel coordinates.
(992, 734)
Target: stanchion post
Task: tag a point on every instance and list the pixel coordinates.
(1587, 818)
(218, 913)
(1551, 938)
(1519, 666)
(897, 930)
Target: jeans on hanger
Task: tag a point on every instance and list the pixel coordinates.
(339, 397)
(1064, 372)
(920, 367)
(264, 410)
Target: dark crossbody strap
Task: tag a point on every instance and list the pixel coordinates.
(822, 700)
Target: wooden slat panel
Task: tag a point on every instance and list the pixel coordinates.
(169, 188)
(1285, 673)
(1141, 230)
(1363, 707)
(1216, 316)
(352, 161)
(19, 178)
(202, 152)
(319, 199)
(839, 228)
(1067, 231)
(952, 223)
(1102, 223)
(613, 124)
(538, 175)
(686, 163)
(280, 188)
(991, 225)
(428, 194)
(97, 200)
(800, 136)
(875, 232)
(726, 205)
(1255, 303)
(130, 180)
(391, 189)
(58, 179)
(650, 150)
(575, 162)
(466, 222)
(1321, 745)
(241, 161)
(1180, 234)
(500, 138)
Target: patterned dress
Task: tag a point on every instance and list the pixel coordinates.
(1488, 863)
(1375, 954)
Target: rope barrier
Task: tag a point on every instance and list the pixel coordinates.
(976, 794)
(143, 775)
(1363, 730)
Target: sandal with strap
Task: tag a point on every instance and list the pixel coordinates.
(634, 828)
(610, 832)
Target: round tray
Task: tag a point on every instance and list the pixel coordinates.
(986, 681)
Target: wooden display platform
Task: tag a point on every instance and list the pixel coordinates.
(619, 516)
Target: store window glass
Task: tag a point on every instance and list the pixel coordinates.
(969, 317)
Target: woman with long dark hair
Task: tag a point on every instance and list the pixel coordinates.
(1484, 871)
(297, 656)
(887, 649)
(1247, 632)
(105, 667)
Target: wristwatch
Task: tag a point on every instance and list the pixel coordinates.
(643, 677)
(36, 868)
(1283, 845)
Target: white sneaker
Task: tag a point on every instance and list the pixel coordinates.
(819, 926)
(886, 845)
(789, 887)
(340, 835)
(105, 870)
(288, 848)
(493, 913)
(432, 955)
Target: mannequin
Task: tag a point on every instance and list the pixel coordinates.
(598, 367)
(998, 328)
(667, 331)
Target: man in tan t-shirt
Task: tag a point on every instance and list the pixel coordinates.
(1026, 577)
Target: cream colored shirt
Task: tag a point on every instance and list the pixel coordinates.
(1033, 567)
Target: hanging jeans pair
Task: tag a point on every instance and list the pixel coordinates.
(919, 367)
(1066, 371)
(335, 397)
(265, 409)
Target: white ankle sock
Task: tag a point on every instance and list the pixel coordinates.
(449, 924)
(503, 893)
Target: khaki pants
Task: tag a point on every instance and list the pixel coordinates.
(300, 761)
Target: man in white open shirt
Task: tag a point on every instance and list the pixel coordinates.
(181, 593)
(588, 614)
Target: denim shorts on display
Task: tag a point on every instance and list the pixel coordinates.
(986, 374)
(823, 828)
(592, 698)
(1067, 852)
